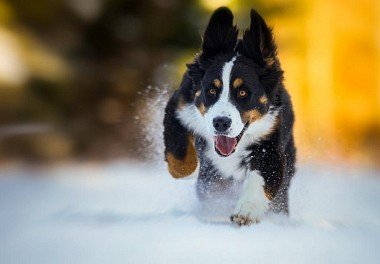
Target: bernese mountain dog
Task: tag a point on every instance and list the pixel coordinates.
(231, 120)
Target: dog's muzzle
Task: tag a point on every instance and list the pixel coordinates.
(225, 145)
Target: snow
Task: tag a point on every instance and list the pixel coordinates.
(126, 212)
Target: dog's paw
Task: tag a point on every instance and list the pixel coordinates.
(240, 220)
(246, 214)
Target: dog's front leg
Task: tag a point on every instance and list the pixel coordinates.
(180, 152)
(253, 202)
(259, 188)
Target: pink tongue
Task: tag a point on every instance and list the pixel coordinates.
(225, 144)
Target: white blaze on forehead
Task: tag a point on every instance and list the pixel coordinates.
(226, 78)
(223, 107)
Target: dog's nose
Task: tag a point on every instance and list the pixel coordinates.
(222, 123)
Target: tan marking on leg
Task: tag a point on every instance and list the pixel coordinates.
(182, 168)
(263, 99)
(238, 82)
(268, 194)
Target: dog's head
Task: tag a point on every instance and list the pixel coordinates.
(235, 80)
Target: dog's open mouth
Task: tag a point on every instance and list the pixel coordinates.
(225, 146)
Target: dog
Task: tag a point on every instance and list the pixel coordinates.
(231, 120)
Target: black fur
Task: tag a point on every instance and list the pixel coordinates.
(220, 36)
(274, 156)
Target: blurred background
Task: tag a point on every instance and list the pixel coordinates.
(75, 76)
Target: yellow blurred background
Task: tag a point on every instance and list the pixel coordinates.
(71, 72)
(330, 51)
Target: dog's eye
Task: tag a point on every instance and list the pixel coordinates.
(242, 93)
(212, 91)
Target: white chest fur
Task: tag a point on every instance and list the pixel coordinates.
(253, 202)
(232, 165)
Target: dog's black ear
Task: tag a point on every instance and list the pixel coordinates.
(220, 35)
(258, 42)
(195, 72)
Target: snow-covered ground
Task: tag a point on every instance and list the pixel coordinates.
(136, 213)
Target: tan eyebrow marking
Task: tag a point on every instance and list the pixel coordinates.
(217, 83)
(198, 93)
(263, 99)
(238, 82)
